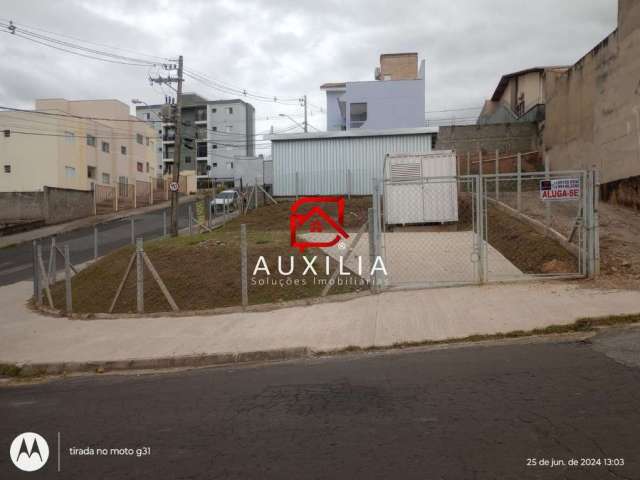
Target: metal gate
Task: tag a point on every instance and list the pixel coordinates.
(472, 229)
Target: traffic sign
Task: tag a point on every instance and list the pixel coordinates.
(174, 187)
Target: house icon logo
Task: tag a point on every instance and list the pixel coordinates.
(317, 220)
(29, 451)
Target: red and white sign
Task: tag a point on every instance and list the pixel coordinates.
(174, 187)
(560, 189)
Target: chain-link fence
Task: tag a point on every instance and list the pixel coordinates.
(440, 231)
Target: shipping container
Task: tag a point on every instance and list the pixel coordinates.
(420, 189)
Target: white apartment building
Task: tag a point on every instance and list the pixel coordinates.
(60, 145)
(217, 130)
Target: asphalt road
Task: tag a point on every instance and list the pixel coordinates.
(16, 262)
(463, 413)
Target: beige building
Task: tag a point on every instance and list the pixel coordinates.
(593, 109)
(519, 97)
(56, 145)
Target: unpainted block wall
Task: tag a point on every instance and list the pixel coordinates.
(505, 137)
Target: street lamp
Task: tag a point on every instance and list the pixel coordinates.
(290, 118)
(135, 101)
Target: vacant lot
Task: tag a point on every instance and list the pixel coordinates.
(203, 271)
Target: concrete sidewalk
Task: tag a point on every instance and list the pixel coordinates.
(49, 230)
(27, 337)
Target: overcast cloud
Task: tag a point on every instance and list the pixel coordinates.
(290, 47)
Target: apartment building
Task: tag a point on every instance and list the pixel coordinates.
(394, 99)
(215, 132)
(57, 145)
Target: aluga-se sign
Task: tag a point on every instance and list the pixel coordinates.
(560, 189)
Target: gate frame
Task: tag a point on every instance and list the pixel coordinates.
(588, 223)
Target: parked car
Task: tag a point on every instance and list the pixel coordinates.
(225, 200)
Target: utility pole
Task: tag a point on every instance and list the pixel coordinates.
(177, 149)
(305, 114)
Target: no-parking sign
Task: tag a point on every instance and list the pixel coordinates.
(560, 189)
(174, 187)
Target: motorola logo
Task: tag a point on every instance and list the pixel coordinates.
(29, 451)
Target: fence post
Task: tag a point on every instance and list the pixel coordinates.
(190, 213)
(297, 186)
(547, 205)
(133, 231)
(256, 190)
(349, 187)
(480, 166)
(39, 273)
(67, 280)
(36, 277)
(135, 194)
(243, 264)
(53, 274)
(164, 223)
(95, 242)
(519, 182)
(372, 249)
(139, 276)
(596, 222)
(468, 163)
(117, 191)
(95, 200)
(497, 173)
(151, 187)
(481, 232)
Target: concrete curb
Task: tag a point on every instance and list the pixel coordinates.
(579, 331)
(261, 307)
(202, 360)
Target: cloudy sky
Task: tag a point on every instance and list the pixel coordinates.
(289, 47)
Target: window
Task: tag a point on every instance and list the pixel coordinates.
(139, 138)
(214, 146)
(147, 167)
(124, 183)
(7, 133)
(69, 137)
(105, 147)
(139, 166)
(229, 110)
(106, 179)
(215, 129)
(214, 164)
(214, 110)
(201, 150)
(148, 116)
(147, 140)
(69, 172)
(91, 140)
(187, 159)
(358, 113)
(7, 169)
(123, 150)
(91, 172)
(229, 165)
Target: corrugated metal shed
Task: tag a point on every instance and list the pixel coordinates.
(329, 163)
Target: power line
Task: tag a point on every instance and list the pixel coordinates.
(74, 48)
(81, 117)
(87, 41)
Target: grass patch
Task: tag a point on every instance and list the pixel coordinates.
(202, 271)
